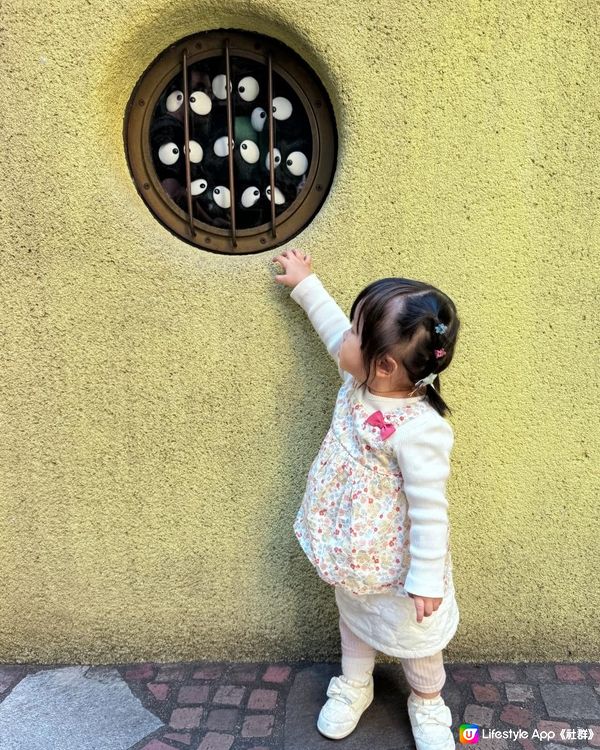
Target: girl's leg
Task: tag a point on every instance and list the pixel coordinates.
(358, 658)
(426, 675)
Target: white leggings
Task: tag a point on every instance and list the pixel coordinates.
(426, 674)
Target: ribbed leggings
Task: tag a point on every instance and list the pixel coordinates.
(426, 674)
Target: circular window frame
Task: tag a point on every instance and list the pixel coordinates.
(299, 76)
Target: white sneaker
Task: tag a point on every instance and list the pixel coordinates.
(431, 723)
(348, 699)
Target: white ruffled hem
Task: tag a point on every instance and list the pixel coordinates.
(388, 622)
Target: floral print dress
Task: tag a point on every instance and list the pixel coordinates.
(353, 523)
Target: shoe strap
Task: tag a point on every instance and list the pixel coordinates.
(432, 714)
(342, 690)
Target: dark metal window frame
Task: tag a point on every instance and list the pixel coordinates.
(287, 64)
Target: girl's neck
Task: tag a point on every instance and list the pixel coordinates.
(406, 393)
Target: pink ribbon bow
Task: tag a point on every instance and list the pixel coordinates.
(377, 420)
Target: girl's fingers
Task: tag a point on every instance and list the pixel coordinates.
(419, 606)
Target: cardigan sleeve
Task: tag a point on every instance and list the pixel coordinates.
(327, 318)
(423, 453)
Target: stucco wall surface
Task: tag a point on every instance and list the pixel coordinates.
(161, 405)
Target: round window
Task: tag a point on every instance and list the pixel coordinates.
(231, 141)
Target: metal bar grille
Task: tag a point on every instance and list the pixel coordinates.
(230, 134)
(186, 136)
(271, 139)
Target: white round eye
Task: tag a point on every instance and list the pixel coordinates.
(200, 103)
(250, 196)
(276, 159)
(221, 147)
(282, 108)
(196, 152)
(168, 153)
(219, 86)
(174, 101)
(279, 197)
(258, 119)
(249, 151)
(222, 196)
(248, 88)
(297, 163)
(198, 186)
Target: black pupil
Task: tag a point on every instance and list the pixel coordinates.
(289, 162)
(256, 192)
(242, 89)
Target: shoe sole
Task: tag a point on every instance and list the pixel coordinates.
(341, 736)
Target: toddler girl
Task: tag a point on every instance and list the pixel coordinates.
(373, 520)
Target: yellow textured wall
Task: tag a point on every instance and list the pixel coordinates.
(161, 405)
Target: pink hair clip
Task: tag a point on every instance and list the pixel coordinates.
(439, 353)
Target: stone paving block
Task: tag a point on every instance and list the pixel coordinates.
(518, 692)
(157, 745)
(185, 739)
(481, 715)
(462, 674)
(222, 719)
(230, 695)
(570, 701)
(276, 673)
(555, 746)
(159, 690)
(193, 694)
(262, 699)
(540, 673)
(214, 741)
(186, 718)
(63, 708)
(594, 673)
(260, 725)
(487, 693)
(170, 673)
(9, 678)
(595, 739)
(517, 716)
(139, 672)
(383, 726)
(552, 726)
(243, 673)
(209, 672)
(500, 673)
(569, 673)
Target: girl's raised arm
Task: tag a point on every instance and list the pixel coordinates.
(328, 319)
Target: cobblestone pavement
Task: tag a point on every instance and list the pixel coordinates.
(262, 706)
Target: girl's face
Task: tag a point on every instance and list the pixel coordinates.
(349, 355)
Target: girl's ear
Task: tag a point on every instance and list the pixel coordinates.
(387, 364)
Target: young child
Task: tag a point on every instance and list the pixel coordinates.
(373, 520)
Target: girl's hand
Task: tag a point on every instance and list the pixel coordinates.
(297, 267)
(425, 605)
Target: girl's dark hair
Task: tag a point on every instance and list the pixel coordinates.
(399, 317)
